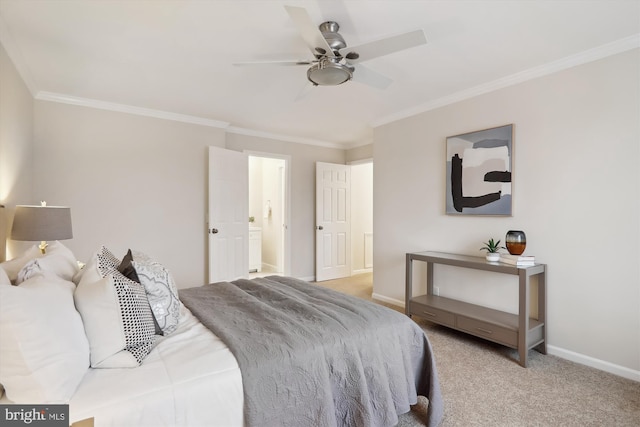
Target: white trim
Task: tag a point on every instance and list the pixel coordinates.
(122, 108)
(308, 278)
(594, 363)
(280, 137)
(362, 271)
(618, 46)
(360, 162)
(572, 356)
(356, 144)
(269, 268)
(387, 300)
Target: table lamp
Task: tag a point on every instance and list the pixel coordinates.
(41, 223)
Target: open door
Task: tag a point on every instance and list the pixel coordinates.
(333, 221)
(228, 215)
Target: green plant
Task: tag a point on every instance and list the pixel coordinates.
(492, 246)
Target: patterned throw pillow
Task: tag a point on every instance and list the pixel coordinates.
(105, 298)
(126, 268)
(161, 290)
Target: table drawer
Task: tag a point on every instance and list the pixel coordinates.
(433, 314)
(488, 330)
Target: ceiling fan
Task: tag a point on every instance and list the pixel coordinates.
(334, 62)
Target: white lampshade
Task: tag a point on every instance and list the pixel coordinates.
(41, 223)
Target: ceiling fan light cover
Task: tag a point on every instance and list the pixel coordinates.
(329, 73)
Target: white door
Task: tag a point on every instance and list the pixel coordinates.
(228, 215)
(333, 217)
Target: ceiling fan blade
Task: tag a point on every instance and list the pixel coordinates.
(367, 76)
(283, 62)
(386, 46)
(309, 31)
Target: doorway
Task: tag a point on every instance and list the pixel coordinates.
(269, 240)
(344, 219)
(362, 217)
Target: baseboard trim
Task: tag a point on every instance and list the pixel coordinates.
(562, 353)
(362, 271)
(387, 300)
(601, 365)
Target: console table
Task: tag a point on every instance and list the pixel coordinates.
(517, 331)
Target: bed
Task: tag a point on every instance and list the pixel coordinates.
(274, 351)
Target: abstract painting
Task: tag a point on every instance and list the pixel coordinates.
(479, 172)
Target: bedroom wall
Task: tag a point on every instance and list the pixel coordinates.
(576, 195)
(303, 190)
(16, 145)
(362, 152)
(131, 181)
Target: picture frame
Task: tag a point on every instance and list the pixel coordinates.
(479, 172)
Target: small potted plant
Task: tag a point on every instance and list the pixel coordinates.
(492, 248)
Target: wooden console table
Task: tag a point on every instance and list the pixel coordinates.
(517, 331)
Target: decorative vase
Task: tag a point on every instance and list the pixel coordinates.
(493, 256)
(516, 241)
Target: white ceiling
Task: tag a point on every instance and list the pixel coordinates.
(175, 58)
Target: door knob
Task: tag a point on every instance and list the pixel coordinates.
(320, 227)
(213, 230)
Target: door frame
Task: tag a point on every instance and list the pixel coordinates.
(287, 202)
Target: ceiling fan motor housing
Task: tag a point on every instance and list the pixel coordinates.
(330, 33)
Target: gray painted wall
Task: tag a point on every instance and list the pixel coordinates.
(16, 145)
(576, 195)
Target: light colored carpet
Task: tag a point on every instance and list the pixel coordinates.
(483, 385)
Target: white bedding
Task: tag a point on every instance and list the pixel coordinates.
(190, 378)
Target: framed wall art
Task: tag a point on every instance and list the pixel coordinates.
(479, 172)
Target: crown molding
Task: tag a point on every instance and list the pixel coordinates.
(357, 144)
(600, 52)
(281, 137)
(122, 108)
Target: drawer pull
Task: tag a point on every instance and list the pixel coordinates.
(486, 331)
(430, 314)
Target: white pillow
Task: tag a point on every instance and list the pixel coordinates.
(162, 293)
(44, 352)
(13, 266)
(61, 263)
(116, 314)
(4, 279)
(58, 260)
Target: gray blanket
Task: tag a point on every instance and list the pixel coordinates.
(310, 356)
